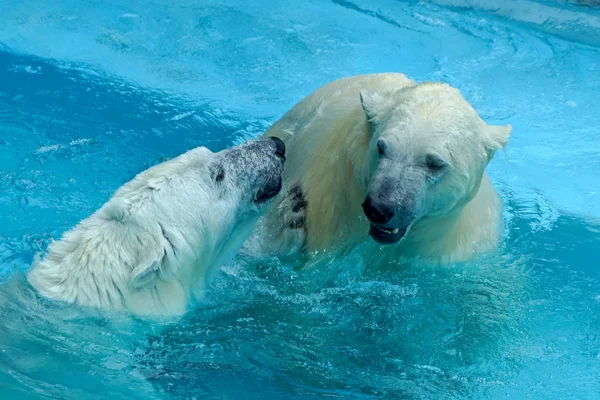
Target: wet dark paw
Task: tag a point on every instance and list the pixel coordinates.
(297, 223)
(297, 198)
(297, 204)
(290, 217)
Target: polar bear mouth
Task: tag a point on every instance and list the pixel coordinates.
(267, 193)
(387, 235)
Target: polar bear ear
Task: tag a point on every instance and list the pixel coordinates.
(145, 273)
(154, 262)
(373, 104)
(497, 138)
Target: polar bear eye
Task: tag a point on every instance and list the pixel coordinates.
(381, 147)
(435, 163)
(218, 173)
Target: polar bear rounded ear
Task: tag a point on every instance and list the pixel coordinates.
(154, 262)
(497, 138)
(373, 104)
(143, 275)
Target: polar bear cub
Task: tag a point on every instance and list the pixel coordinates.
(153, 247)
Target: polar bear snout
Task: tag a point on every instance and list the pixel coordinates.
(378, 212)
(392, 202)
(255, 168)
(272, 185)
(381, 214)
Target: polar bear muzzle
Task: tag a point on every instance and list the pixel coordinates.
(273, 186)
(393, 201)
(255, 167)
(381, 215)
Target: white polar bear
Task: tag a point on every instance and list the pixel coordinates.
(154, 245)
(410, 157)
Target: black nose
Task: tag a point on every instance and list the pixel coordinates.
(279, 146)
(378, 212)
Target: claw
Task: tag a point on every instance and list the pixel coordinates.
(296, 192)
(299, 205)
(297, 223)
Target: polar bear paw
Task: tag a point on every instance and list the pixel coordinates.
(282, 231)
(294, 206)
(292, 214)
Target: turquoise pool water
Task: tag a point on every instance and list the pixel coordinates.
(93, 92)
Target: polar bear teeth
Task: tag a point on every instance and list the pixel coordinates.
(390, 231)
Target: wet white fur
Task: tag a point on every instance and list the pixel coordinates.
(153, 246)
(332, 155)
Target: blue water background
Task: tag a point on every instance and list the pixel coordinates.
(93, 92)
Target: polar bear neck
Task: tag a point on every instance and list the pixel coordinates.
(334, 214)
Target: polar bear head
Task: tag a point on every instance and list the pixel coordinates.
(209, 205)
(152, 248)
(427, 156)
(249, 173)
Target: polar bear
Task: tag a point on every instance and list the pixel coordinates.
(381, 155)
(153, 247)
